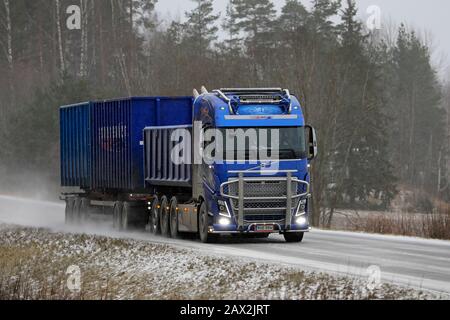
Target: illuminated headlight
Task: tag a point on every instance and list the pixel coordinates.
(223, 209)
(302, 221)
(224, 221)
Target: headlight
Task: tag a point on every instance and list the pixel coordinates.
(302, 221)
(223, 209)
(224, 221)
(301, 209)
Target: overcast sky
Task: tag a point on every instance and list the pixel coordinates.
(431, 16)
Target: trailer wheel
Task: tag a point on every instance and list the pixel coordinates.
(117, 215)
(203, 225)
(164, 215)
(294, 237)
(84, 210)
(77, 211)
(125, 216)
(174, 218)
(154, 218)
(69, 211)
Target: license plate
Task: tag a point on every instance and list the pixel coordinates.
(264, 228)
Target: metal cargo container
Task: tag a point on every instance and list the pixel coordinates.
(102, 142)
(160, 168)
(75, 145)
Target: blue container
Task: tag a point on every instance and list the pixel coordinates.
(76, 153)
(160, 169)
(102, 143)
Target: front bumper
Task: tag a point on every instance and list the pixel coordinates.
(251, 229)
(264, 200)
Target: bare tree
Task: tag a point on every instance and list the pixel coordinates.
(84, 38)
(62, 63)
(9, 49)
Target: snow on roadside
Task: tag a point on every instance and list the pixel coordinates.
(33, 265)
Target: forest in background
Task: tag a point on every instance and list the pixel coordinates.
(382, 113)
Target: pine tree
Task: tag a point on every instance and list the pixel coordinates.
(255, 17)
(419, 128)
(229, 25)
(322, 12)
(293, 17)
(361, 171)
(201, 29)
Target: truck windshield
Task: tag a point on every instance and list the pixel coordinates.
(285, 143)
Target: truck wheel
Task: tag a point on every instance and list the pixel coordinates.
(84, 210)
(203, 225)
(69, 211)
(117, 215)
(174, 218)
(154, 219)
(294, 237)
(77, 211)
(164, 215)
(125, 216)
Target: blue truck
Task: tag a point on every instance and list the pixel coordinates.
(191, 165)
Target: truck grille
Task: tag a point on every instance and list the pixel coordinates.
(263, 210)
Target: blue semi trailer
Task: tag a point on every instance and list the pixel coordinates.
(226, 162)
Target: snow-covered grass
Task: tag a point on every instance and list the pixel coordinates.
(34, 262)
(428, 226)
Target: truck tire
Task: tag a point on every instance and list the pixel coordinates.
(293, 237)
(117, 215)
(203, 225)
(69, 211)
(77, 211)
(126, 216)
(174, 218)
(165, 217)
(84, 210)
(154, 218)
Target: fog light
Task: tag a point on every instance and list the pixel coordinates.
(224, 221)
(302, 221)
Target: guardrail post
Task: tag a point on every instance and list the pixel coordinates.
(289, 201)
(241, 200)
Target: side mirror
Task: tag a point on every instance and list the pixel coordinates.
(312, 142)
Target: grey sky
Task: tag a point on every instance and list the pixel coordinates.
(430, 16)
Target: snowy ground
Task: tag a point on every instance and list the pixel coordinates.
(321, 266)
(34, 262)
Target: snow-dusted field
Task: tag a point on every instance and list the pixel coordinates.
(135, 264)
(34, 262)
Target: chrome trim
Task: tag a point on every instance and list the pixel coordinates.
(290, 100)
(262, 171)
(255, 232)
(250, 89)
(262, 117)
(227, 100)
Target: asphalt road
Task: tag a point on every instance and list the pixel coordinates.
(418, 263)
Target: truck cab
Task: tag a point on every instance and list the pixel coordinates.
(254, 178)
